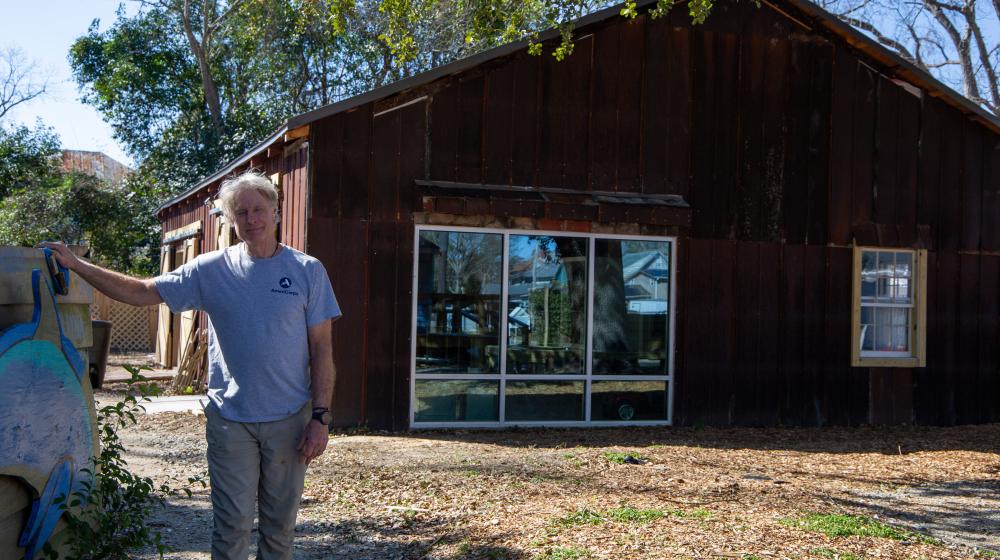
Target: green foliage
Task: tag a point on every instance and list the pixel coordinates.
(842, 525)
(108, 519)
(118, 224)
(581, 517)
(696, 513)
(833, 554)
(622, 457)
(563, 553)
(628, 514)
(27, 156)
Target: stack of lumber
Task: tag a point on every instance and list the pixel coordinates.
(193, 371)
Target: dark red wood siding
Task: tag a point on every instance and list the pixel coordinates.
(790, 147)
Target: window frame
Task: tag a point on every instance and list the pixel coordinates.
(587, 377)
(917, 356)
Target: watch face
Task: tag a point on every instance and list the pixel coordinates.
(323, 417)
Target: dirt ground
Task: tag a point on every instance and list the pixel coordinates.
(556, 494)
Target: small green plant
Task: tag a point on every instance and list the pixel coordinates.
(984, 553)
(562, 553)
(621, 458)
(833, 554)
(581, 517)
(697, 513)
(628, 514)
(841, 525)
(107, 520)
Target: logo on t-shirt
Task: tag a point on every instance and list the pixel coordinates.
(285, 283)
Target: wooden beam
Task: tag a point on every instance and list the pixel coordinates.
(295, 134)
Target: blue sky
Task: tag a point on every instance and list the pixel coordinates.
(44, 31)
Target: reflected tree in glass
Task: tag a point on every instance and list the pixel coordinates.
(631, 307)
(547, 304)
(458, 302)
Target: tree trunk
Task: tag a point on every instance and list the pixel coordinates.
(202, 53)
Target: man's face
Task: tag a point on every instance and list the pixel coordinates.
(255, 217)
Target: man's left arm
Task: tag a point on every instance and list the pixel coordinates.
(324, 375)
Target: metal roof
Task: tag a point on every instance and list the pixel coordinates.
(815, 15)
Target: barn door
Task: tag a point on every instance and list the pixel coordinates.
(187, 318)
(224, 236)
(164, 356)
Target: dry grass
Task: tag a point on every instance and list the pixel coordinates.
(698, 493)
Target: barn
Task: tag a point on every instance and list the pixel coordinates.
(766, 219)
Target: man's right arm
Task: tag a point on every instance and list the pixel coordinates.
(126, 289)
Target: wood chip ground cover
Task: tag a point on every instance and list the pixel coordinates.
(546, 494)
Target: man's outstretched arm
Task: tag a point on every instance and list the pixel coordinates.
(126, 289)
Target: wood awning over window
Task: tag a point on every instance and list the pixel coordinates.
(448, 197)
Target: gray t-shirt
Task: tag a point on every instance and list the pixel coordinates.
(259, 313)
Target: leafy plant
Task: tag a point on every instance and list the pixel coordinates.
(621, 458)
(562, 553)
(628, 514)
(581, 517)
(841, 525)
(834, 554)
(107, 520)
(697, 513)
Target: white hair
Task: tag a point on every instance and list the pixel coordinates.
(249, 180)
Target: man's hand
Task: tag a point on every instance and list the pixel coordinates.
(63, 254)
(313, 442)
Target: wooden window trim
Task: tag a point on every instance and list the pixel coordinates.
(918, 327)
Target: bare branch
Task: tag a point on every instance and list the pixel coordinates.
(879, 36)
(984, 58)
(18, 80)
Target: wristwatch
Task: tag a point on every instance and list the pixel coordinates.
(322, 415)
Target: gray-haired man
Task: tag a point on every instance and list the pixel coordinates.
(271, 369)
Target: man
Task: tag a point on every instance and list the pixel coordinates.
(271, 370)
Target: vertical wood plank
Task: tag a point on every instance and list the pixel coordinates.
(794, 199)
(818, 145)
(524, 120)
(412, 155)
(656, 93)
(990, 234)
(967, 365)
(470, 131)
(699, 345)
(908, 147)
(630, 105)
(886, 148)
(949, 231)
(841, 145)
(385, 174)
(498, 117)
(679, 135)
(929, 174)
(792, 299)
(379, 333)
(703, 135)
(357, 151)
(748, 332)
(770, 388)
(989, 313)
(723, 399)
(815, 407)
(444, 123)
(725, 168)
(862, 162)
(947, 310)
(748, 195)
(402, 327)
(972, 187)
(578, 105)
(603, 109)
(837, 336)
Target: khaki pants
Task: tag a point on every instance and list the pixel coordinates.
(248, 462)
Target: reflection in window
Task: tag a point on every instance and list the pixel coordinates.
(534, 401)
(456, 401)
(631, 307)
(886, 301)
(628, 400)
(458, 302)
(547, 304)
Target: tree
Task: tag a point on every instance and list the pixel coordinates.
(19, 80)
(118, 225)
(957, 41)
(26, 156)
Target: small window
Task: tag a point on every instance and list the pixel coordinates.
(889, 317)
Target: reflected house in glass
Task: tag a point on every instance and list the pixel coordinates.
(765, 219)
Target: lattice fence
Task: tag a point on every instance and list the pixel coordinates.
(133, 329)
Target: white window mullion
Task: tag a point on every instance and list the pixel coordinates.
(588, 366)
(503, 328)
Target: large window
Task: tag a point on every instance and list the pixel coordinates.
(888, 320)
(529, 328)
